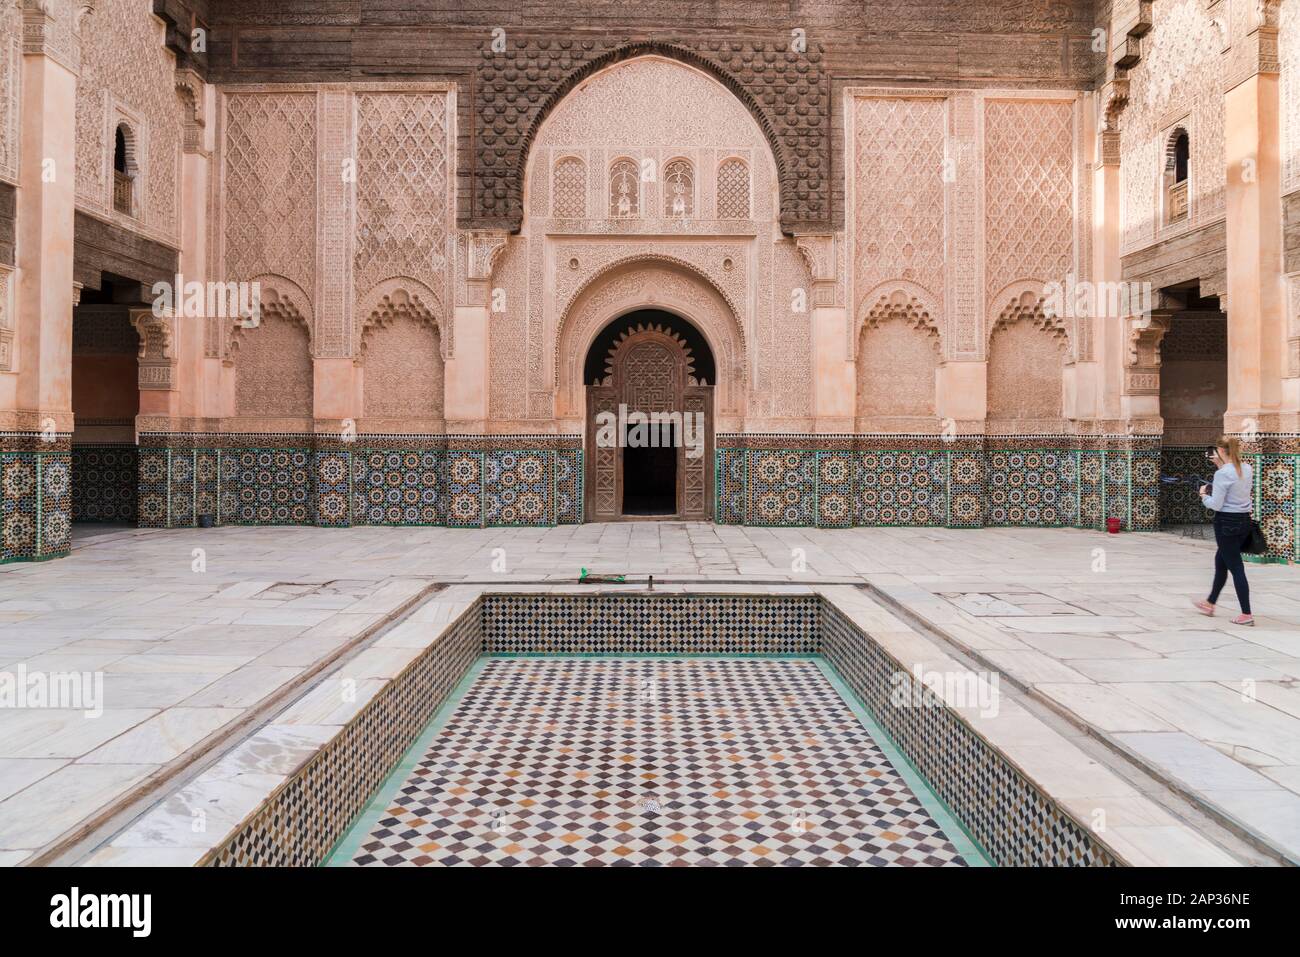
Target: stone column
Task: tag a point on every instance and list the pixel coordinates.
(465, 380)
(194, 401)
(1109, 335)
(39, 392)
(834, 382)
(1256, 286)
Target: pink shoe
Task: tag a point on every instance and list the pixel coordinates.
(1244, 620)
(1204, 607)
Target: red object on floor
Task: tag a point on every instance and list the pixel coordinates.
(1113, 525)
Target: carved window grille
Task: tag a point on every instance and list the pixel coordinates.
(1177, 174)
(624, 189)
(679, 189)
(733, 190)
(124, 170)
(569, 189)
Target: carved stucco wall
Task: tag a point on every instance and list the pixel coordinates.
(403, 369)
(960, 202)
(1288, 42)
(652, 111)
(11, 61)
(898, 358)
(786, 95)
(1178, 82)
(128, 75)
(273, 370)
(1024, 392)
(338, 200)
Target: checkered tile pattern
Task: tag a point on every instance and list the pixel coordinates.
(654, 762)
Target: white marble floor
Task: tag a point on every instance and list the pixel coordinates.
(195, 630)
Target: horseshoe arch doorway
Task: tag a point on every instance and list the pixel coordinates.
(649, 378)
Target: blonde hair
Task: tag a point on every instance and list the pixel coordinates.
(1232, 445)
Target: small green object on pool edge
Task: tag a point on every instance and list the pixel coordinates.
(588, 576)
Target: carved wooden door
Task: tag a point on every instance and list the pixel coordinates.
(649, 370)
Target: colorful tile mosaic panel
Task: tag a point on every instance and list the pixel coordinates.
(650, 624)
(1277, 508)
(396, 488)
(300, 822)
(1010, 818)
(36, 507)
(463, 478)
(272, 486)
(333, 474)
(1181, 504)
(152, 500)
(836, 471)
(730, 495)
(568, 487)
(661, 762)
(966, 483)
(1027, 488)
(901, 488)
(518, 488)
(104, 483)
(1144, 485)
(781, 487)
(1092, 488)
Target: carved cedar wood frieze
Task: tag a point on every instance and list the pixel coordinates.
(788, 93)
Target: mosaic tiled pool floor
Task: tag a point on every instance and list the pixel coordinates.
(598, 761)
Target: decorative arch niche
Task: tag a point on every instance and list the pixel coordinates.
(898, 357)
(402, 356)
(273, 359)
(1027, 353)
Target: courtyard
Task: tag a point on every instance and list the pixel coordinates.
(204, 636)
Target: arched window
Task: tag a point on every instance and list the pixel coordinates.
(1177, 171)
(624, 189)
(733, 189)
(569, 189)
(124, 170)
(679, 189)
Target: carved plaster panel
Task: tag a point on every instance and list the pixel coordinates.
(1178, 79)
(127, 74)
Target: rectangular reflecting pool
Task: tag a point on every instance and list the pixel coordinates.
(659, 761)
(572, 728)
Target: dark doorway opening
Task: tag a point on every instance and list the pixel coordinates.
(650, 471)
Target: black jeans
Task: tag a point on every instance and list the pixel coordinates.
(1231, 529)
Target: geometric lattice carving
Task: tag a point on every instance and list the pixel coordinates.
(733, 189)
(569, 195)
(637, 381)
(270, 186)
(1179, 75)
(898, 192)
(1029, 202)
(401, 187)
